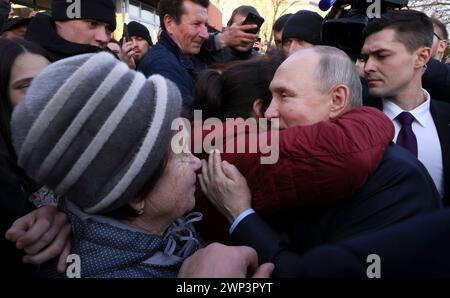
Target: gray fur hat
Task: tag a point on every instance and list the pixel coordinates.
(93, 130)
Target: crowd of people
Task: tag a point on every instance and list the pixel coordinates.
(88, 165)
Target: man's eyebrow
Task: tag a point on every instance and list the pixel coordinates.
(376, 51)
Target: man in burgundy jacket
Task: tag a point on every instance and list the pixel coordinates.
(400, 187)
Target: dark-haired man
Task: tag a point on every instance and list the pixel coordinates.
(73, 30)
(396, 50)
(184, 30)
(278, 28)
(243, 50)
(440, 39)
(302, 30)
(140, 39)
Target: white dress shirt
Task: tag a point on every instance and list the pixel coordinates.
(428, 144)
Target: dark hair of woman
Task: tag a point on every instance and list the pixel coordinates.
(10, 50)
(241, 90)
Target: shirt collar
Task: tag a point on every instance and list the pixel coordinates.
(420, 113)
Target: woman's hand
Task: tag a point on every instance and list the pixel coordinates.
(43, 234)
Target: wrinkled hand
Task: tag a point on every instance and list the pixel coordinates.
(235, 35)
(127, 54)
(43, 234)
(220, 261)
(225, 187)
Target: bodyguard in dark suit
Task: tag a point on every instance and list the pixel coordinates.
(440, 112)
(436, 80)
(397, 49)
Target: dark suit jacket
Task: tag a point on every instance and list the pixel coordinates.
(417, 248)
(440, 111)
(436, 80)
(399, 189)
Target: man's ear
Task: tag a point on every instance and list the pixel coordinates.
(257, 109)
(443, 44)
(340, 95)
(423, 56)
(169, 23)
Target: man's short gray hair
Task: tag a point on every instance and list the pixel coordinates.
(335, 68)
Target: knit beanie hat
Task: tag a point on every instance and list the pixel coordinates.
(139, 30)
(93, 130)
(305, 25)
(98, 10)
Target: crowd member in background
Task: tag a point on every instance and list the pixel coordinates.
(278, 28)
(64, 36)
(15, 27)
(115, 47)
(129, 196)
(242, 51)
(184, 30)
(397, 48)
(440, 39)
(140, 39)
(302, 30)
(123, 52)
(436, 79)
(20, 62)
(241, 90)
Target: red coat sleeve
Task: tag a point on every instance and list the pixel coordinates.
(325, 162)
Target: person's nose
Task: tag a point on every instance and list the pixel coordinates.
(369, 65)
(134, 41)
(204, 32)
(102, 37)
(272, 111)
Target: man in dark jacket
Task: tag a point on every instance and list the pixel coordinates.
(400, 188)
(436, 80)
(184, 30)
(302, 30)
(72, 29)
(244, 51)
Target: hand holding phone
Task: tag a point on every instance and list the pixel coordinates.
(126, 34)
(253, 19)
